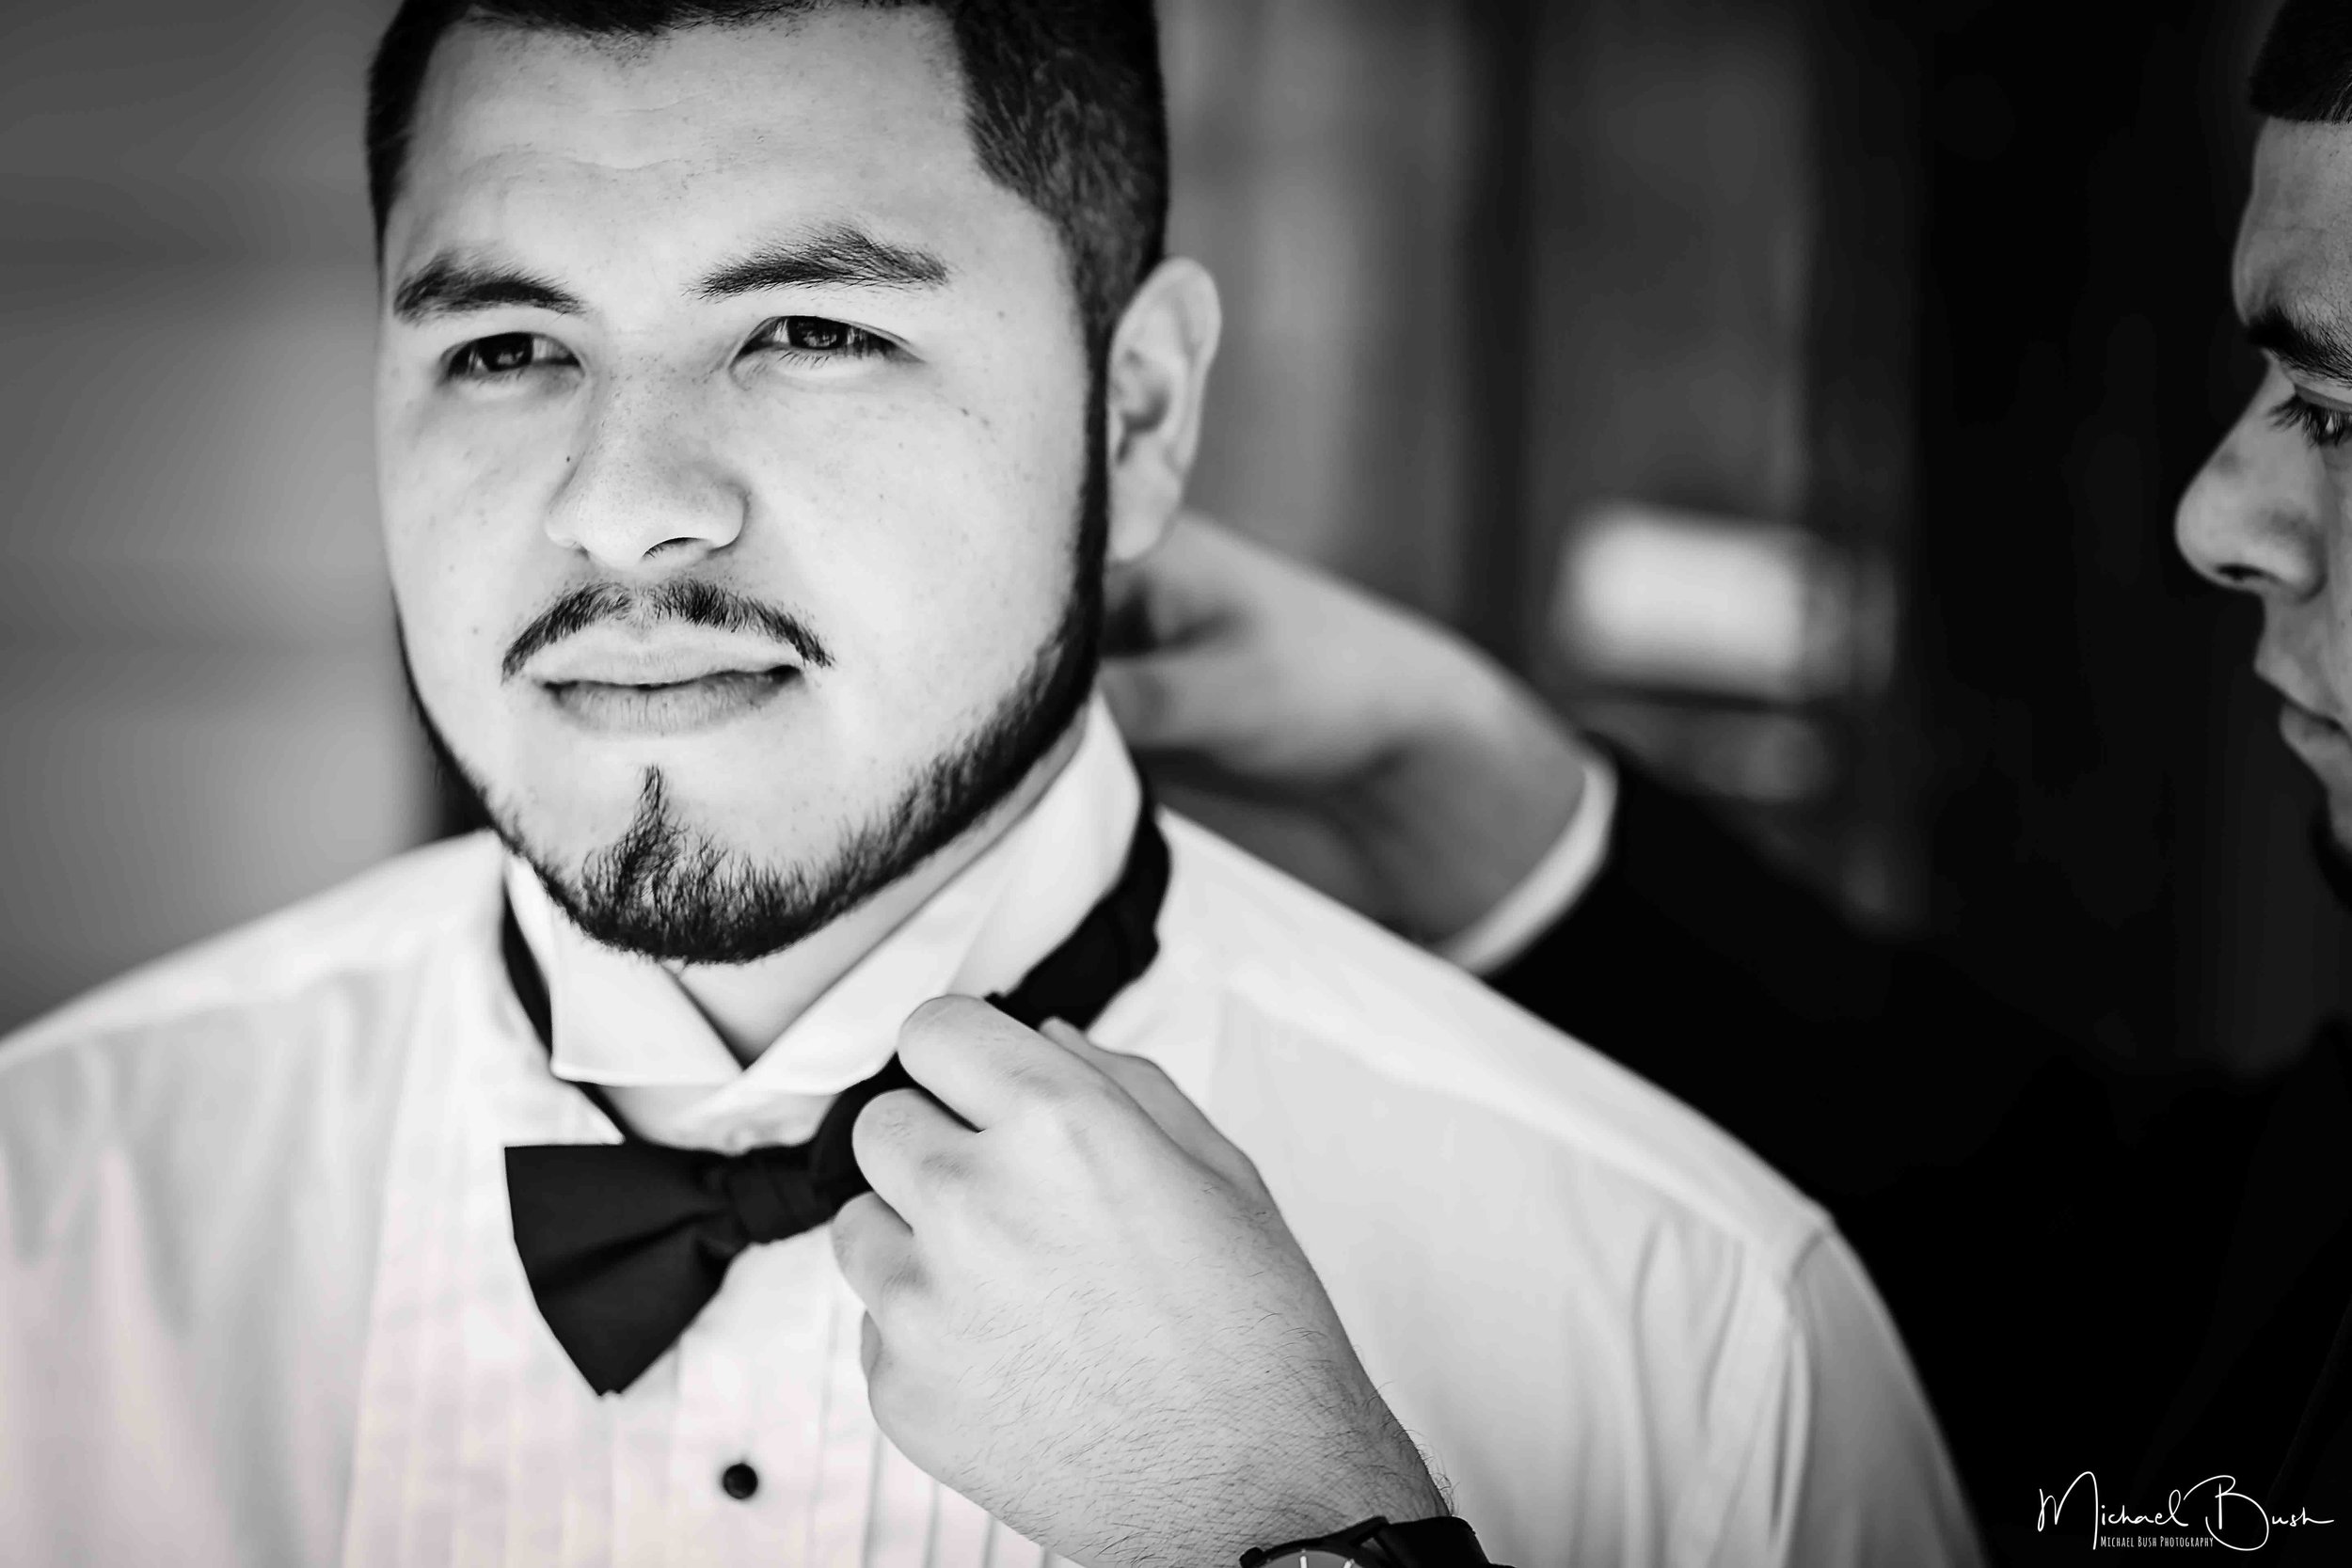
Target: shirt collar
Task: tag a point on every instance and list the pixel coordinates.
(624, 1021)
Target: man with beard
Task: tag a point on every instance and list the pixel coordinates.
(764, 392)
(2127, 1296)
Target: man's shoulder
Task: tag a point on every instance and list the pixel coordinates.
(372, 927)
(1309, 973)
(1463, 1175)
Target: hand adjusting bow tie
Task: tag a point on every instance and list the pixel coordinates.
(625, 1243)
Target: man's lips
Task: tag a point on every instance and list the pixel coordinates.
(598, 660)
(617, 679)
(670, 707)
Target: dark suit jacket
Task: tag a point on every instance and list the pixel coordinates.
(2141, 1275)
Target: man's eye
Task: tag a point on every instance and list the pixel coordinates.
(2321, 426)
(814, 338)
(508, 353)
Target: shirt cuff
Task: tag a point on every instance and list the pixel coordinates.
(1546, 893)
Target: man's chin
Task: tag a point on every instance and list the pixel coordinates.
(666, 891)
(569, 827)
(673, 876)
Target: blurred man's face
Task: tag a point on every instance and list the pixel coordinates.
(733, 435)
(2271, 513)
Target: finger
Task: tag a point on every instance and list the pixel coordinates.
(1191, 577)
(1181, 698)
(1170, 1108)
(875, 1252)
(910, 1150)
(985, 1066)
(1202, 578)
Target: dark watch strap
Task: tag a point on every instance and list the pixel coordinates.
(1443, 1543)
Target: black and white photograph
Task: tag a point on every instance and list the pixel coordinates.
(1164, 784)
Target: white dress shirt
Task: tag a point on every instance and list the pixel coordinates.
(259, 1301)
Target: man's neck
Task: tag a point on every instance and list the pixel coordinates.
(750, 1004)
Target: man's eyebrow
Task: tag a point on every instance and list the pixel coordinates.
(836, 257)
(452, 285)
(2315, 346)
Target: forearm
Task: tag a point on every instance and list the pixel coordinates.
(1473, 793)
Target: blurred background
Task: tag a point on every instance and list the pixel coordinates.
(1797, 392)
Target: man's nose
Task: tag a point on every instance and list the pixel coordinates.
(645, 482)
(2251, 519)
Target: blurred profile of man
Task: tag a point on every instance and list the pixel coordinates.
(763, 393)
(2126, 1294)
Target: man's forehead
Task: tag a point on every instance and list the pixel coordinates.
(2295, 240)
(849, 108)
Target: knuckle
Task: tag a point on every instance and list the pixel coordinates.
(943, 1171)
(1138, 1075)
(1071, 1118)
(1041, 1092)
(1245, 1174)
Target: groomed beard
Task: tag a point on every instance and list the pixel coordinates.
(671, 892)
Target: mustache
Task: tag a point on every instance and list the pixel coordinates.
(688, 602)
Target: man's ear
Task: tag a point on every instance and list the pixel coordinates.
(1153, 387)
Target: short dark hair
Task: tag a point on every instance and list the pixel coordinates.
(2304, 72)
(1062, 97)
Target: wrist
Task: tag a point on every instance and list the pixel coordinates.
(1442, 1541)
(1479, 781)
(1310, 1515)
(1375, 1469)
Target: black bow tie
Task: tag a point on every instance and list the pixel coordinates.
(625, 1243)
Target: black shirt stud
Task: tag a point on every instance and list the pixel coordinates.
(738, 1481)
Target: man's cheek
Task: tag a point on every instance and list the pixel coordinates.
(965, 633)
(449, 599)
